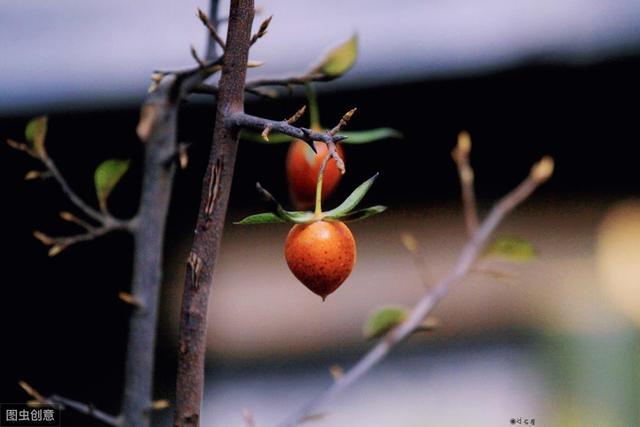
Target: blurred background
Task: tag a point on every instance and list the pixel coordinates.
(556, 342)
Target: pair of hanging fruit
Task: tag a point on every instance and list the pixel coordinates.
(320, 250)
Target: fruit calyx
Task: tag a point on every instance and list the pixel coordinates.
(344, 212)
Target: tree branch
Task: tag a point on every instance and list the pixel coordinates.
(470, 253)
(209, 227)
(83, 408)
(103, 218)
(158, 130)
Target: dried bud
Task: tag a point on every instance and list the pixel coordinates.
(542, 170)
(160, 404)
(254, 64)
(265, 133)
(464, 143)
(336, 372)
(183, 156)
(349, 114)
(43, 238)
(55, 250)
(147, 120)
(32, 175)
(409, 242)
(291, 120)
(129, 299)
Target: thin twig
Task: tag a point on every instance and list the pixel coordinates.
(73, 197)
(212, 30)
(196, 57)
(83, 408)
(460, 155)
(58, 244)
(283, 81)
(470, 253)
(107, 222)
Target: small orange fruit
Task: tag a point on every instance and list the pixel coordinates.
(321, 255)
(303, 166)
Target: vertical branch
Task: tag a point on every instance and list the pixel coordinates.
(209, 227)
(157, 182)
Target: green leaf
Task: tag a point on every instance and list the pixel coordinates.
(354, 198)
(35, 133)
(261, 218)
(382, 320)
(511, 248)
(106, 177)
(339, 60)
(274, 138)
(359, 214)
(296, 217)
(365, 136)
(278, 211)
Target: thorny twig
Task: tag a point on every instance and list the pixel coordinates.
(247, 121)
(471, 251)
(291, 120)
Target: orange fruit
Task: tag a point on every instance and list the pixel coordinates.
(321, 255)
(303, 166)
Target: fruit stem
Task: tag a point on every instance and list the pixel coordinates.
(314, 112)
(318, 210)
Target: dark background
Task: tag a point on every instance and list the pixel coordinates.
(64, 329)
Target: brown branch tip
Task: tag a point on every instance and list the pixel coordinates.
(291, 120)
(262, 31)
(212, 29)
(343, 121)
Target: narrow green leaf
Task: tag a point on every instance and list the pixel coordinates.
(35, 133)
(371, 135)
(382, 320)
(354, 198)
(295, 217)
(106, 177)
(359, 214)
(261, 218)
(339, 60)
(511, 248)
(274, 138)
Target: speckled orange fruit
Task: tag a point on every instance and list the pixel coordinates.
(303, 166)
(321, 255)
